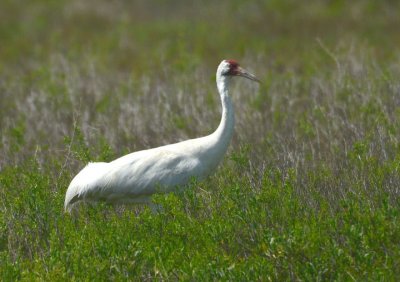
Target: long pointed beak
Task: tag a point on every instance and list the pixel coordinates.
(246, 74)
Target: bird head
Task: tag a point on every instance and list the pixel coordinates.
(230, 68)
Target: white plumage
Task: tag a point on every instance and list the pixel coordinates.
(135, 177)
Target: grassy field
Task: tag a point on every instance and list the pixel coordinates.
(309, 189)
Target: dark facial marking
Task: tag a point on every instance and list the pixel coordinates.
(233, 67)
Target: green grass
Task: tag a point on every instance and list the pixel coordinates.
(309, 189)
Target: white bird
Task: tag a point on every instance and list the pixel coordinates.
(135, 177)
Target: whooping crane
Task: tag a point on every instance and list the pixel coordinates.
(135, 177)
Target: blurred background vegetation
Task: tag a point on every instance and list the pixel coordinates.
(141, 36)
(73, 53)
(308, 190)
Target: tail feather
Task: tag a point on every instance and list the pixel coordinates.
(68, 205)
(83, 184)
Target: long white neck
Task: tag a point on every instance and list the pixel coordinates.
(223, 134)
(213, 147)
